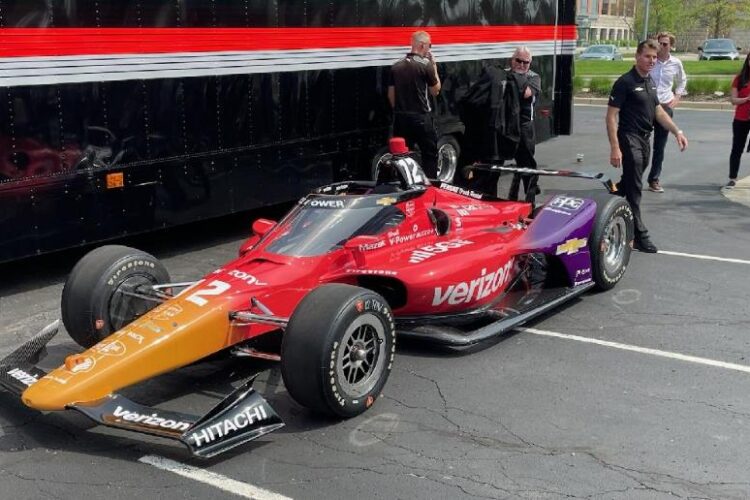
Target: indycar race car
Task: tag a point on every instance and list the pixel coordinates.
(351, 268)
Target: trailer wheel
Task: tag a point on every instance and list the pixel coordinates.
(338, 349)
(448, 153)
(610, 241)
(94, 299)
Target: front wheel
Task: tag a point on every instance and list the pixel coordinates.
(98, 299)
(338, 349)
(610, 242)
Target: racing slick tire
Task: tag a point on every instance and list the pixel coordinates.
(93, 303)
(610, 241)
(337, 349)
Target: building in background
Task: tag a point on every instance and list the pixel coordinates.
(600, 20)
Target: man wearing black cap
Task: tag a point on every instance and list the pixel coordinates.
(634, 99)
(411, 81)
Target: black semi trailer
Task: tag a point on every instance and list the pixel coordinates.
(123, 117)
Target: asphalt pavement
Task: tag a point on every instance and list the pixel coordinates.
(639, 392)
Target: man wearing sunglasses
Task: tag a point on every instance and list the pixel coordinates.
(670, 79)
(411, 82)
(529, 86)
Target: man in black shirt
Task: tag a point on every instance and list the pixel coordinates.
(634, 99)
(411, 79)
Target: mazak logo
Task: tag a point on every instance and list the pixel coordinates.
(571, 246)
(326, 203)
(423, 253)
(26, 379)
(153, 420)
(249, 416)
(566, 203)
(476, 289)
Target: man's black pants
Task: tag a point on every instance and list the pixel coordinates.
(660, 142)
(636, 151)
(419, 129)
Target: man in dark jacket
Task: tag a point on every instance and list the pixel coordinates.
(529, 86)
(412, 80)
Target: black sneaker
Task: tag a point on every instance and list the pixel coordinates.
(731, 184)
(644, 245)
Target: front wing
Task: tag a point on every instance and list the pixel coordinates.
(240, 417)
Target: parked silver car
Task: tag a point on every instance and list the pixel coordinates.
(719, 48)
(602, 53)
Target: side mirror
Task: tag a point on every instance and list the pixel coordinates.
(700, 49)
(739, 48)
(262, 226)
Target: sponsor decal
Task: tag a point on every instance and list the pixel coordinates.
(410, 208)
(476, 289)
(465, 210)
(582, 276)
(423, 253)
(461, 191)
(82, 364)
(565, 203)
(386, 201)
(127, 266)
(246, 277)
(371, 246)
(398, 239)
(571, 246)
(166, 312)
(26, 379)
(249, 416)
(316, 203)
(374, 272)
(153, 420)
(113, 348)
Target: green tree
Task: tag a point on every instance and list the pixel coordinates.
(720, 16)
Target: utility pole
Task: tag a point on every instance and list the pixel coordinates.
(645, 21)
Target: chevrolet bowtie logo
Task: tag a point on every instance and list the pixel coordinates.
(571, 246)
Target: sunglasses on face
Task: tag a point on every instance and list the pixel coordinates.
(428, 45)
(522, 61)
(664, 44)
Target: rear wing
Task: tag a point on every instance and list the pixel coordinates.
(533, 173)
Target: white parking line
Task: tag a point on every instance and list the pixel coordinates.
(705, 257)
(211, 478)
(642, 350)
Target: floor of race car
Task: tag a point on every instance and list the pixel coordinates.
(639, 392)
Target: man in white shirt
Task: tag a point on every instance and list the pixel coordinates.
(670, 79)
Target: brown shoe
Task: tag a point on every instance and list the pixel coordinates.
(655, 187)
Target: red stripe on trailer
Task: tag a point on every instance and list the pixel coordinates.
(30, 42)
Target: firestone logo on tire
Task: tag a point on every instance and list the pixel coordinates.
(476, 289)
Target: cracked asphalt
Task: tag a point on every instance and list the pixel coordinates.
(528, 417)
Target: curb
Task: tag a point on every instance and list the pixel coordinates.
(720, 106)
(740, 193)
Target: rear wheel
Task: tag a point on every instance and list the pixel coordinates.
(448, 153)
(95, 298)
(610, 241)
(338, 349)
